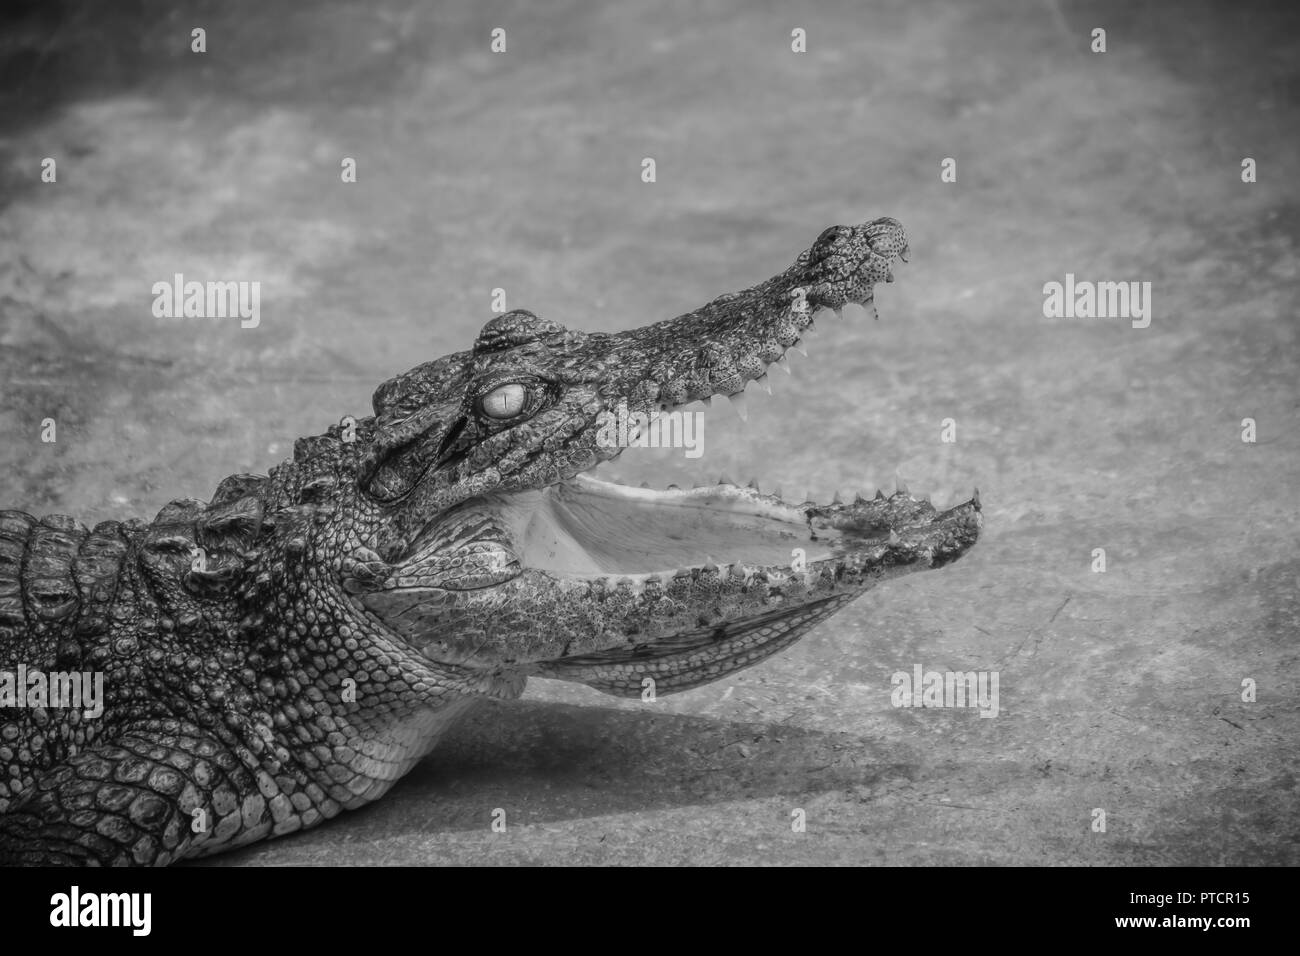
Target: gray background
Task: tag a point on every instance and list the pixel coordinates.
(1119, 690)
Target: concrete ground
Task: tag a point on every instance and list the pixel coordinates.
(1120, 691)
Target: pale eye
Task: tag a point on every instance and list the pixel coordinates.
(505, 401)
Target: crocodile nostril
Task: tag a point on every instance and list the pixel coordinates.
(830, 234)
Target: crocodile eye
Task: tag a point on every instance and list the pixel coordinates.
(505, 401)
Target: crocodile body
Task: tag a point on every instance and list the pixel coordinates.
(290, 649)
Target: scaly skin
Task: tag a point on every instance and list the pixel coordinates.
(291, 648)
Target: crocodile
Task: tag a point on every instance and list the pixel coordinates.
(291, 648)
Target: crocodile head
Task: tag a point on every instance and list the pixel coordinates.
(484, 544)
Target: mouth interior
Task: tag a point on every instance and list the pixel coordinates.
(587, 527)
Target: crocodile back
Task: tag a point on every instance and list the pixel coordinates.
(58, 581)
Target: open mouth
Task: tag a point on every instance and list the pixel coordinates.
(591, 528)
(610, 585)
(588, 528)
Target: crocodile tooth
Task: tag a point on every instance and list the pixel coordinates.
(724, 480)
(784, 364)
(880, 495)
(837, 500)
(798, 347)
(776, 492)
(738, 404)
(674, 488)
(976, 498)
(900, 484)
(753, 483)
(645, 484)
(708, 401)
(763, 383)
(858, 499)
